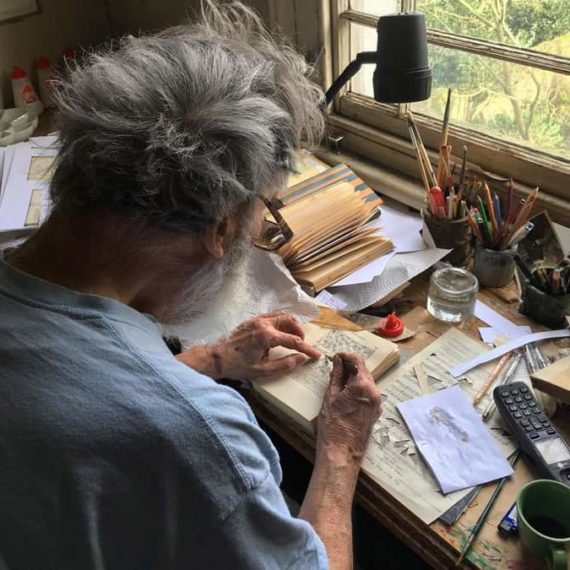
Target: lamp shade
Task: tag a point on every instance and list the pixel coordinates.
(402, 73)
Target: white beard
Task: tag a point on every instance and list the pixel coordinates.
(219, 283)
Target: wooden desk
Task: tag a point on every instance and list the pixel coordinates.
(437, 544)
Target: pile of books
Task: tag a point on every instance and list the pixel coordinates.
(329, 214)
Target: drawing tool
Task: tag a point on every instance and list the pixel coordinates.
(491, 211)
(491, 379)
(497, 208)
(463, 164)
(474, 227)
(520, 234)
(526, 270)
(509, 201)
(445, 130)
(483, 516)
(449, 207)
(419, 156)
(507, 378)
(422, 149)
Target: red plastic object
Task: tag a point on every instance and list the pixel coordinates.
(42, 63)
(392, 328)
(18, 72)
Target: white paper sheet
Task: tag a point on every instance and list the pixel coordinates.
(402, 227)
(493, 319)
(368, 272)
(492, 335)
(265, 285)
(25, 196)
(390, 458)
(402, 268)
(329, 300)
(453, 440)
(464, 367)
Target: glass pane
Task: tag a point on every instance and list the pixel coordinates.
(506, 100)
(376, 7)
(510, 101)
(541, 25)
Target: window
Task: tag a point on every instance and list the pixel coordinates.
(508, 63)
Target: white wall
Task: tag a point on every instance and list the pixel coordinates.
(61, 23)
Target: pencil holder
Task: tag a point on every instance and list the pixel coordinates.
(451, 234)
(494, 268)
(549, 310)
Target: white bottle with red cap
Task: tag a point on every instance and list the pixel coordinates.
(25, 95)
(45, 81)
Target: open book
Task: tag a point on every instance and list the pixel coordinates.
(329, 215)
(299, 394)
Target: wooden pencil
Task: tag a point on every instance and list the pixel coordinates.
(445, 129)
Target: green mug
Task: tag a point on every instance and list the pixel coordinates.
(543, 514)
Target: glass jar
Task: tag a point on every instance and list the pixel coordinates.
(452, 294)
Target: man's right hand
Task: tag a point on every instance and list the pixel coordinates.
(350, 407)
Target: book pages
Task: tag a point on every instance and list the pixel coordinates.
(392, 459)
(300, 393)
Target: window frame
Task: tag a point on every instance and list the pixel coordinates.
(379, 132)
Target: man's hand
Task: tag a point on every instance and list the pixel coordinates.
(243, 355)
(350, 407)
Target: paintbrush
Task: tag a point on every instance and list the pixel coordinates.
(483, 516)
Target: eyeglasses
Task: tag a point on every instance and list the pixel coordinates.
(273, 235)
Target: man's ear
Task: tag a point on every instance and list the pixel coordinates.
(215, 238)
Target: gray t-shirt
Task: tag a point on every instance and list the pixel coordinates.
(113, 455)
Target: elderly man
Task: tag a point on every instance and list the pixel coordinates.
(115, 454)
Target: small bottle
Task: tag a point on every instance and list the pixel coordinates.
(45, 81)
(25, 95)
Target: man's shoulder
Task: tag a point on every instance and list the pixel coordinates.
(214, 423)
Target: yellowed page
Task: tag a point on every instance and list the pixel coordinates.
(300, 393)
(391, 459)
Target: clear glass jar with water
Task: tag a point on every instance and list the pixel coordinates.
(452, 294)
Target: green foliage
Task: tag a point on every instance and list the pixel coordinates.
(503, 99)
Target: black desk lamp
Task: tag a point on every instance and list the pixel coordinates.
(402, 74)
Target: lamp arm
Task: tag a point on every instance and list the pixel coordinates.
(351, 70)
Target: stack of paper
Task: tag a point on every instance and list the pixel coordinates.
(26, 170)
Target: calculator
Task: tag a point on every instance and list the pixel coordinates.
(537, 437)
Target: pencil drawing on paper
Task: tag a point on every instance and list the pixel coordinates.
(444, 418)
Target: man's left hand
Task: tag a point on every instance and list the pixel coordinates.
(244, 354)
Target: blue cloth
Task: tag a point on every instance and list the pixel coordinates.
(113, 455)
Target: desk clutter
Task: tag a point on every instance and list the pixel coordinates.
(25, 173)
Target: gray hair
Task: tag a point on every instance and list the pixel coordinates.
(182, 128)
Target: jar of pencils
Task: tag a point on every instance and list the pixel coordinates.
(494, 268)
(450, 233)
(546, 298)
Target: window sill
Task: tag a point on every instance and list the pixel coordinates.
(367, 153)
